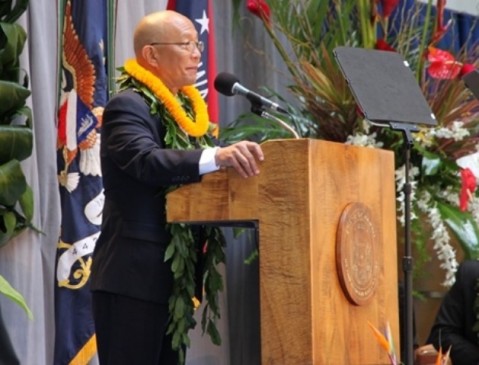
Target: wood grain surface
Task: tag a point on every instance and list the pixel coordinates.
(298, 199)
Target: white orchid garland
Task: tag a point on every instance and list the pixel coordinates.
(421, 198)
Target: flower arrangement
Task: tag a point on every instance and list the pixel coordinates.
(444, 158)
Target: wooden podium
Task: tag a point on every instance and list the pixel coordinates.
(327, 223)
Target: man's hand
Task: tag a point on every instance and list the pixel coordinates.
(242, 156)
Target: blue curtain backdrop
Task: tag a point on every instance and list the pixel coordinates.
(463, 31)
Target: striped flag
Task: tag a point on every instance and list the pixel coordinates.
(83, 96)
(201, 14)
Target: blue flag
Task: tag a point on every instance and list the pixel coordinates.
(83, 96)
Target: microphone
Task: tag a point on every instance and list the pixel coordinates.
(229, 85)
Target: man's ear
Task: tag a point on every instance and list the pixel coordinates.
(150, 55)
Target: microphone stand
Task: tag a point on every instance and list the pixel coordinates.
(259, 110)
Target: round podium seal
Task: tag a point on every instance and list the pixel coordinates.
(356, 253)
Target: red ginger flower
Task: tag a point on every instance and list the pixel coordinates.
(467, 68)
(388, 7)
(441, 28)
(442, 64)
(468, 186)
(382, 45)
(259, 8)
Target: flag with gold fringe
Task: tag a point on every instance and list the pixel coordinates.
(83, 94)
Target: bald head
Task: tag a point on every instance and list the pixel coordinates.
(157, 27)
(162, 43)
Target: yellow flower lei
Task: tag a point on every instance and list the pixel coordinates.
(196, 128)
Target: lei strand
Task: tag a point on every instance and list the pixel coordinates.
(196, 128)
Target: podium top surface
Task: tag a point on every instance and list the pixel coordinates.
(384, 86)
(290, 167)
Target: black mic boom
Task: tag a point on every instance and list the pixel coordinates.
(229, 85)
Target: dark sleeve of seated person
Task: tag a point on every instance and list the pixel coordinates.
(455, 320)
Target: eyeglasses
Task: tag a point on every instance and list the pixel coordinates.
(188, 46)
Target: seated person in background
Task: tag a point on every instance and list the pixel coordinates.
(457, 317)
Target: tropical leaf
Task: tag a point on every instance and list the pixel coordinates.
(13, 97)
(7, 290)
(8, 222)
(16, 142)
(5, 7)
(12, 183)
(12, 38)
(16, 135)
(14, 13)
(27, 203)
(464, 227)
(253, 128)
(25, 112)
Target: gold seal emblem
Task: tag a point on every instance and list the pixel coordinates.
(356, 253)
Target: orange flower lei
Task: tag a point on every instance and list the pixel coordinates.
(196, 128)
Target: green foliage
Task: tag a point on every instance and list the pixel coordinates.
(250, 126)
(7, 290)
(16, 136)
(182, 255)
(305, 34)
(183, 252)
(464, 227)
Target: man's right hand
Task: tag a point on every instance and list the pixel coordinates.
(242, 156)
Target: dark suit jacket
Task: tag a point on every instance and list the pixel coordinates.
(129, 254)
(456, 317)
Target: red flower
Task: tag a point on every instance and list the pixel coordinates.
(382, 45)
(467, 68)
(441, 5)
(442, 64)
(441, 28)
(388, 7)
(468, 186)
(259, 8)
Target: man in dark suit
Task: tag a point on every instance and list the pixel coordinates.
(130, 279)
(457, 316)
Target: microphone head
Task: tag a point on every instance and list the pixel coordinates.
(224, 83)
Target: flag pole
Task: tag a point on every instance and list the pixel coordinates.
(110, 52)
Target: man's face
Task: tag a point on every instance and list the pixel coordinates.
(178, 63)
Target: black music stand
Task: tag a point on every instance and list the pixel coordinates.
(389, 96)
